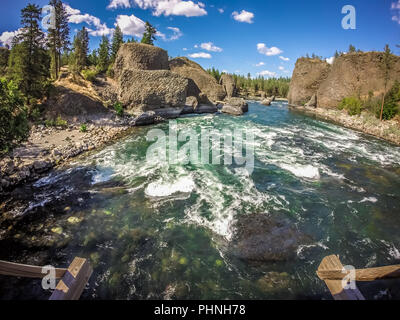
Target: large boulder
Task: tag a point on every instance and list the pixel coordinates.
(228, 83)
(235, 106)
(266, 238)
(202, 82)
(306, 79)
(138, 56)
(145, 90)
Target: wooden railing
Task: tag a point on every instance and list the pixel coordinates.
(72, 280)
(331, 271)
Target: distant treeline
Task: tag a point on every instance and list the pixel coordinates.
(271, 86)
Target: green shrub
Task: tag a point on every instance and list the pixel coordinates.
(392, 99)
(13, 115)
(390, 109)
(90, 74)
(59, 122)
(119, 109)
(83, 128)
(353, 105)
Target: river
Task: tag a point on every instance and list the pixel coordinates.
(154, 230)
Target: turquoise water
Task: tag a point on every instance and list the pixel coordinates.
(157, 231)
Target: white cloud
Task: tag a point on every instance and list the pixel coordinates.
(176, 34)
(281, 68)
(221, 10)
(263, 49)
(114, 4)
(209, 46)
(173, 7)
(396, 8)
(243, 16)
(203, 55)
(267, 73)
(185, 49)
(330, 60)
(283, 58)
(7, 37)
(260, 64)
(131, 25)
(75, 16)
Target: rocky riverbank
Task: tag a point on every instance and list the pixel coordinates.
(366, 123)
(47, 148)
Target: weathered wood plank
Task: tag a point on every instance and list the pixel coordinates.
(371, 274)
(335, 286)
(26, 271)
(74, 281)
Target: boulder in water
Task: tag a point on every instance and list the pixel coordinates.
(235, 106)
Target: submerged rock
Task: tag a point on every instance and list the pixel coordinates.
(265, 238)
(273, 282)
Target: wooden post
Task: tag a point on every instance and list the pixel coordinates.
(74, 281)
(335, 286)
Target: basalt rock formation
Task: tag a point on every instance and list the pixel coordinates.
(202, 82)
(306, 79)
(354, 74)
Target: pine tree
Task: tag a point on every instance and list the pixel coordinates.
(58, 38)
(93, 58)
(29, 61)
(352, 49)
(149, 34)
(386, 67)
(104, 54)
(118, 39)
(81, 49)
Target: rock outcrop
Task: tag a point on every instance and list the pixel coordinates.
(352, 74)
(138, 56)
(202, 82)
(74, 105)
(356, 74)
(145, 84)
(261, 237)
(228, 83)
(306, 79)
(143, 90)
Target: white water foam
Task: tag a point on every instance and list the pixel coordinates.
(307, 171)
(165, 189)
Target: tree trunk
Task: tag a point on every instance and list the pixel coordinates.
(383, 103)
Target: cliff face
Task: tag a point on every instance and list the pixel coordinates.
(306, 79)
(354, 74)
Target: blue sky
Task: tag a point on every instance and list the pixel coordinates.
(261, 37)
